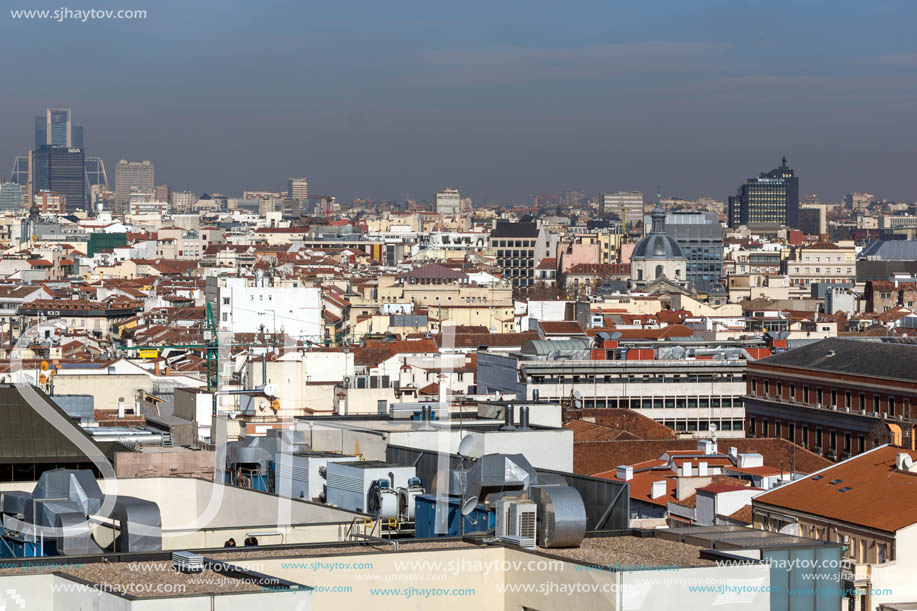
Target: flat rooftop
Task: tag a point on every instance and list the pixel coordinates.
(630, 551)
(151, 579)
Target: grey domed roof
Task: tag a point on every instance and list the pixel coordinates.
(718, 289)
(657, 245)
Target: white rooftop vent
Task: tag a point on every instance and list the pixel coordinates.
(702, 469)
(903, 462)
(686, 470)
(658, 489)
(708, 446)
(625, 472)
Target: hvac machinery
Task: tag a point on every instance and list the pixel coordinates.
(528, 506)
(381, 489)
(302, 475)
(57, 517)
(250, 462)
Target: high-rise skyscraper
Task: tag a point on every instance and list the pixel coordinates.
(298, 188)
(771, 198)
(60, 169)
(129, 175)
(56, 129)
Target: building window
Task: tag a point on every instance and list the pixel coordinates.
(818, 438)
(764, 427)
(875, 404)
(891, 407)
(818, 396)
(861, 444)
(863, 401)
(779, 390)
(751, 426)
(792, 392)
(805, 436)
(778, 432)
(767, 388)
(805, 394)
(832, 440)
(833, 398)
(848, 400)
(754, 386)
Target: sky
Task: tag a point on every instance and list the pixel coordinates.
(501, 99)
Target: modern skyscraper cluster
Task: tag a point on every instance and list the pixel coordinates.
(58, 155)
(772, 198)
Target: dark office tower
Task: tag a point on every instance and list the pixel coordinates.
(41, 132)
(772, 198)
(60, 169)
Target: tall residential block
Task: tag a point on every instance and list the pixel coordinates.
(139, 175)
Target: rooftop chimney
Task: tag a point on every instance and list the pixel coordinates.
(658, 489)
(524, 418)
(508, 418)
(625, 472)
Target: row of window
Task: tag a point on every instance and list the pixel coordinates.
(513, 244)
(822, 397)
(818, 439)
(663, 402)
(647, 378)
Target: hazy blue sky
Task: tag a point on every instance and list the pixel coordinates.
(501, 99)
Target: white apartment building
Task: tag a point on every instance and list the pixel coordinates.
(448, 201)
(243, 305)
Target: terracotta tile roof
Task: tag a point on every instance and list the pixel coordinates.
(561, 327)
(876, 495)
(374, 352)
(640, 426)
(743, 515)
(587, 431)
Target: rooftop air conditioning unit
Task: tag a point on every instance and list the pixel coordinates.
(187, 562)
(516, 522)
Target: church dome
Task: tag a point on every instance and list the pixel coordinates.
(657, 245)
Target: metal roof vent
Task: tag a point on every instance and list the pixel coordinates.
(187, 562)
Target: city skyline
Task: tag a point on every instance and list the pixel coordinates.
(394, 103)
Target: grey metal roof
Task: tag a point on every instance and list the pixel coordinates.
(26, 437)
(890, 250)
(547, 346)
(853, 357)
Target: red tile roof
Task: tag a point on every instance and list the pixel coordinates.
(877, 495)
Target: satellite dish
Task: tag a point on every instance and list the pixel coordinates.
(465, 446)
(270, 390)
(469, 505)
